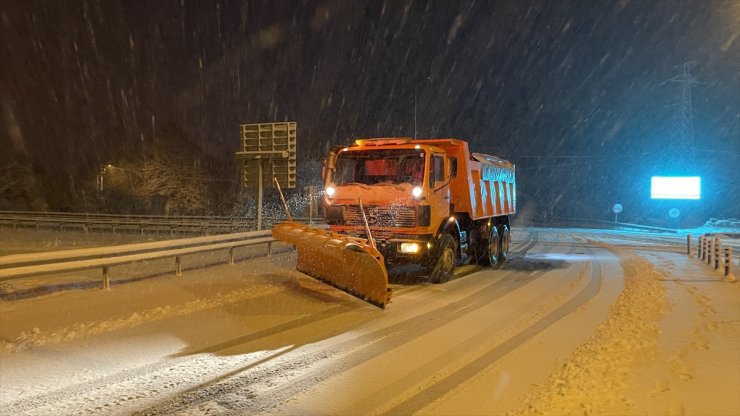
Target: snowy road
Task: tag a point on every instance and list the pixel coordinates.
(577, 320)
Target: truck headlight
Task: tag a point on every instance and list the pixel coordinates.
(410, 248)
(416, 192)
(330, 191)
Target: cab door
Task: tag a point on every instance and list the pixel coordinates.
(439, 189)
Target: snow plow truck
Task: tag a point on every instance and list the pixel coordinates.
(403, 200)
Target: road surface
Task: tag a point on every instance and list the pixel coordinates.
(576, 321)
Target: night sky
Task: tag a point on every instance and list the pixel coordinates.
(576, 93)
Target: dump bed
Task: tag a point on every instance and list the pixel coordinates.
(492, 188)
(485, 185)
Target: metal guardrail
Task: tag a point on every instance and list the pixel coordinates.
(203, 225)
(569, 222)
(36, 264)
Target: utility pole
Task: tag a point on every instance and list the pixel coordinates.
(414, 112)
(684, 121)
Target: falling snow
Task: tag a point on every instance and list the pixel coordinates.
(134, 108)
(578, 96)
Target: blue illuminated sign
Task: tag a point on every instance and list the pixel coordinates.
(675, 187)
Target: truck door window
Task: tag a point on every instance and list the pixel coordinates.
(438, 171)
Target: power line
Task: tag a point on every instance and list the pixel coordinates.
(544, 156)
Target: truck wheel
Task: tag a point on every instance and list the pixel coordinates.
(443, 266)
(505, 242)
(489, 250)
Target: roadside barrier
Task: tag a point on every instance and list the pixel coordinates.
(36, 264)
(141, 224)
(709, 251)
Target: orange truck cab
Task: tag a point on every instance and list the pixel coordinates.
(427, 201)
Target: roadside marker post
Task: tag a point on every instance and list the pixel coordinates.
(698, 247)
(717, 252)
(710, 250)
(688, 245)
(728, 265)
(106, 278)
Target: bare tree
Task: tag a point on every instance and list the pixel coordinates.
(18, 186)
(180, 184)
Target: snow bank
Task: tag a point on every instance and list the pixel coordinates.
(595, 378)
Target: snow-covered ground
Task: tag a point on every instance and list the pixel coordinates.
(578, 322)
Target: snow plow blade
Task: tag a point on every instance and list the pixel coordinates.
(347, 263)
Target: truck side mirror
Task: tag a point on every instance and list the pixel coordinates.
(328, 165)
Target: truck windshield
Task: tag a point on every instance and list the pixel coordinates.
(380, 166)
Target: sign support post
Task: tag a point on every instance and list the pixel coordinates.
(616, 209)
(260, 194)
(273, 142)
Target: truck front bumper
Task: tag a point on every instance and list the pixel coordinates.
(400, 248)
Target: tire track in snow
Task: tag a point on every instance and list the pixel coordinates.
(35, 338)
(349, 354)
(445, 385)
(244, 385)
(87, 394)
(181, 361)
(95, 396)
(317, 317)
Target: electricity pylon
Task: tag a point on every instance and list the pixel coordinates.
(684, 122)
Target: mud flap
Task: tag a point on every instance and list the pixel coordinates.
(347, 263)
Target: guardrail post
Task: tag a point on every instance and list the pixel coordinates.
(688, 245)
(178, 266)
(231, 255)
(717, 252)
(708, 259)
(269, 249)
(728, 264)
(106, 278)
(707, 249)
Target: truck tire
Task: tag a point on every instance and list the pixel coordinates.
(442, 266)
(505, 241)
(489, 249)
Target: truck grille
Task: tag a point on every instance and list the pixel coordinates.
(401, 216)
